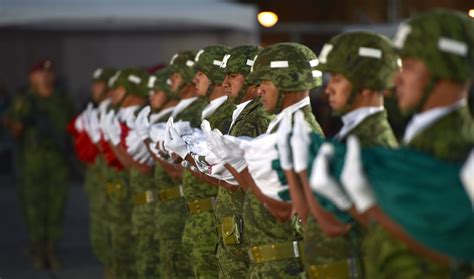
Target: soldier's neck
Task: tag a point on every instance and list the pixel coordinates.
(171, 103)
(291, 98)
(132, 100)
(44, 91)
(187, 92)
(367, 98)
(217, 92)
(250, 94)
(446, 93)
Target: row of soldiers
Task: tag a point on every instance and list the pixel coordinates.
(215, 166)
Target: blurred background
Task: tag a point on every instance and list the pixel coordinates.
(82, 35)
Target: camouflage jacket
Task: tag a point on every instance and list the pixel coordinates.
(193, 112)
(450, 138)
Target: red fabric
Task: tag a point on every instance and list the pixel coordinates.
(86, 151)
(71, 128)
(44, 64)
(109, 154)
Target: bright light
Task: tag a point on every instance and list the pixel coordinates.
(267, 19)
(471, 13)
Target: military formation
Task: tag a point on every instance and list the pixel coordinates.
(216, 167)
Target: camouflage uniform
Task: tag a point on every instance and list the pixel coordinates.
(261, 228)
(44, 178)
(364, 73)
(251, 122)
(450, 138)
(199, 235)
(170, 211)
(119, 191)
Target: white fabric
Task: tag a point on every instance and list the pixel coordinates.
(423, 120)
(300, 141)
(154, 117)
(127, 115)
(352, 119)
(237, 112)
(288, 110)
(467, 177)
(182, 105)
(213, 105)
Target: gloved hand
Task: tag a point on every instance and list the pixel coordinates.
(227, 151)
(323, 183)
(173, 141)
(467, 177)
(103, 124)
(142, 125)
(183, 127)
(133, 142)
(300, 141)
(283, 145)
(112, 128)
(353, 178)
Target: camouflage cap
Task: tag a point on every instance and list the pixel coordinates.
(160, 81)
(182, 63)
(134, 81)
(239, 60)
(290, 66)
(443, 40)
(366, 59)
(103, 74)
(209, 60)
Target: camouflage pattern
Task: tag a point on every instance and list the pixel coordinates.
(450, 138)
(233, 259)
(133, 80)
(147, 252)
(319, 249)
(343, 54)
(239, 60)
(209, 61)
(261, 228)
(300, 73)
(199, 235)
(193, 112)
(159, 81)
(183, 63)
(419, 37)
(103, 74)
(43, 165)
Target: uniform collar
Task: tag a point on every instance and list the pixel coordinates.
(351, 119)
(213, 105)
(182, 105)
(288, 110)
(156, 116)
(240, 107)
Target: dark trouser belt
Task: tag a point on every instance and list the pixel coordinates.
(201, 205)
(274, 252)
(111, 188)
(171, 193)
(344, 269)
(144, 197)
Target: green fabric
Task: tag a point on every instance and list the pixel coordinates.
(238, 58)
(134, 81)
(193, 112)
(159, 81)
(209, 61)
(252, 121)
(222, 117)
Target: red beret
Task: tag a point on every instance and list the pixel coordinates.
(45, 64)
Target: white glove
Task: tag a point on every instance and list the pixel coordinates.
(173, 141)
(227, 151)
(323, 183)
(354, 179)
(183, 127)
(467, 177)
(133, 142)
(103, 123)
(300, 141)
(284, 151)
(93, 127)
(142, 125)
(112, 128)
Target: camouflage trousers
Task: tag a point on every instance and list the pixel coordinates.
(289, 268)
(174, 259)
(43, 191)
(122, 243)
(320, 249)
(233, 261)
(387, 257)
(200, 237)
(147, 251)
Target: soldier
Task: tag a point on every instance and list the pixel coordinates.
(248, 119)
(437, 70)
(130, 91)
(199, 235)
(39, 119)
(362, 66)
(171, 209)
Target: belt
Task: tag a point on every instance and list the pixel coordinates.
(171, 193)
(144, 197)
(201, 205)
(344, 269)
(111, 188)
(274, 252)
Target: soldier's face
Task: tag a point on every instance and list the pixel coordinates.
(269, 95)
(233, 83)
(157, 99)
(176, 79)
(338, 90)
(410, 83)
(201, 83)
(118, 95)
(98, 90)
